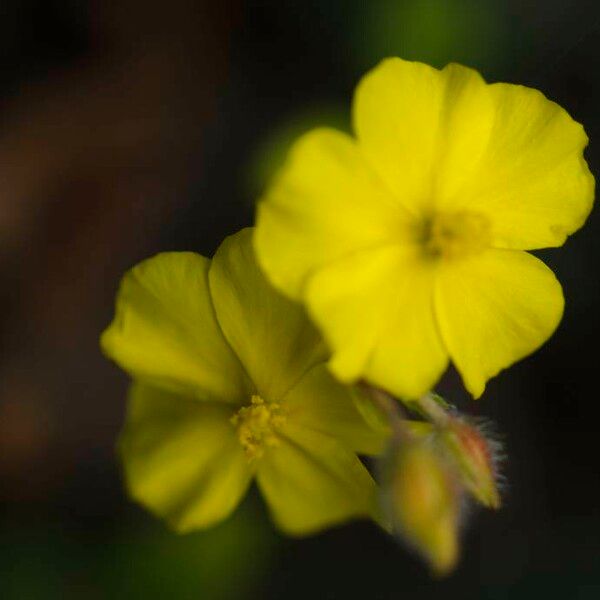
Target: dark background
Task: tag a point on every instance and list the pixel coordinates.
(131, 127)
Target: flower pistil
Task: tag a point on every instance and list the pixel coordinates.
(455, 234)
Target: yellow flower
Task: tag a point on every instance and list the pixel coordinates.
(230, 384)
(407, 243)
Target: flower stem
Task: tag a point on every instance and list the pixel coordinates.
(432, 409)
(390, 407)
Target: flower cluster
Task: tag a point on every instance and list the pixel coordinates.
(319, 335)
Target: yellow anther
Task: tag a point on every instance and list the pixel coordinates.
(257, 426)
(456, 234)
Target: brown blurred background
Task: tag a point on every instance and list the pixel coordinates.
(128, 128)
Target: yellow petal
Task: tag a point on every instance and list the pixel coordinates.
(182, 458)
(531, 179)
(270, 334)
(396, 114)
(494, 309)
(165, 331)
(319, 402)
(324, 204)
(311, 481)
(376, 311)
(401, 110)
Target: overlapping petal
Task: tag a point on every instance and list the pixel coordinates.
(397, 111)
(493, 309)
(312, 481)
(320, 403)
(165, 331)
(325, 203)
(530, 178)
(270, 334)
(182, 458)
(376, 311)
(446, 140)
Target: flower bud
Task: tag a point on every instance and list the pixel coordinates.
(473, 456)
(423, 502)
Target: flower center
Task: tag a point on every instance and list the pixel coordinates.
(452, 235)
(257, 425)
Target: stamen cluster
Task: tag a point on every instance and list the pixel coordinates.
(257, 425)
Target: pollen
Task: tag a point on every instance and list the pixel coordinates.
(456, 234)
(257, 426)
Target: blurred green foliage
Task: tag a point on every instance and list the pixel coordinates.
(272, 149)
(473, 32)
(224, 563)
